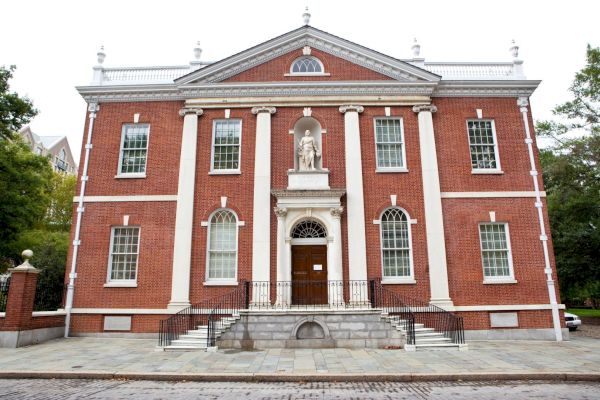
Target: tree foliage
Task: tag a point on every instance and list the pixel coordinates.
(571, 168)
(15, 111)
(60, 210)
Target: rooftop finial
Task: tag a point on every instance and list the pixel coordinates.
(101, 55)
(306, 16)
(197, 51)
(514, 49)
(416, 48)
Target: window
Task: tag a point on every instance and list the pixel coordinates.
(222, 246)
(482, 144)
(226, 145)
(307, 65)
(134, 148)
(309, 229)
(395, 244)
(495, 251)
(124, 250)
(389, 142)
(61, 164)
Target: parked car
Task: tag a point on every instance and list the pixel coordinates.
(572, 321)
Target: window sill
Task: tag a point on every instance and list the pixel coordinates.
(130, 176)
(487, 172)
(390, 170)
(121, 284)
(500, 282)
(391, 281)
(308, 74)
(225, 172)
(221, 283)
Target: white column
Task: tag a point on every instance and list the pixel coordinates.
(182, 252)
(283, 282)
(357, 256)
(434, 222)
(522, 102)
(334, 270)
(261, 212)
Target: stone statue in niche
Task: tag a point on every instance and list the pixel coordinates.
(308, 151)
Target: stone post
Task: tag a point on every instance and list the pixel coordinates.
(283, 279)
(182, 252)
(335, 275)
(434, 219)
(21, 295)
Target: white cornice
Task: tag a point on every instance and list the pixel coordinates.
(485, 88)
(309, 36)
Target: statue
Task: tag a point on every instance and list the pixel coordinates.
(307, 152)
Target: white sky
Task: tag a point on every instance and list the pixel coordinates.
(54, 43)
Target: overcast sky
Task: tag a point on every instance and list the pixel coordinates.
(54, 43)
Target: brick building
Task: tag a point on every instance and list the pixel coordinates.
(309, 158)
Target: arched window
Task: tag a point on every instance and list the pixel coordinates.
(63, 154)
(309, 229)
(396, 256)
(307, 65)
(222, 246)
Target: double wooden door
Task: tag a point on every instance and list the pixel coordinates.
(309, 274)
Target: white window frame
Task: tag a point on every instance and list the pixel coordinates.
(220, 281)
(122, 282)
(322, 73)
(497, 279)
(133, 174)
(410, 279)
(403, 168)
(214, 171)
(498, 169)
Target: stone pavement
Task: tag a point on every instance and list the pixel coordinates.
(123, 358)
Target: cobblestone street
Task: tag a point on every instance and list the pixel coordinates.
(150, 390)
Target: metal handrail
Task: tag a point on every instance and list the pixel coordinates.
(395, 307)
(198, 314)
(227, 307)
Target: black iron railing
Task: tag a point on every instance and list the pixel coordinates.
(309, 295)
(228, 307)
(196, 315)
(49, 295)
(4, 285)
(417, 311)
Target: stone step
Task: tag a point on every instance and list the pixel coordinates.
(189, 342)
(429, 334)
(194, 336)
(437, 346)
(184, 348)
(432, 339)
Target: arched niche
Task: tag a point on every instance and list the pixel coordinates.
(311, 124)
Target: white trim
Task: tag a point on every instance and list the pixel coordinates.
(404, 166)
(308, 74)
(237, 170)
(237, 233)
(380, 170)
(222, 282)
(123, 282)
(120, 284)
(58, 313)
(309, 241)
(474, 195)
(488, 281)
(498, 169)
(112, 199)
(120, 165)
(511, 273)
(507, 307)
(398, 279)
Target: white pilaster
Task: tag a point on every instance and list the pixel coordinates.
(335, 270)
(282, 275)
(522, 103)
(357, 257)
(261, 213)
(434, 222)
(182, 252)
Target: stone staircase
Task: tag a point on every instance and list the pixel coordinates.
(197, 339)
(425, 338)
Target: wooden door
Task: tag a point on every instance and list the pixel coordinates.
(309, 275)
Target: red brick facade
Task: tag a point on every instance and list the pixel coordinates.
(461, 216)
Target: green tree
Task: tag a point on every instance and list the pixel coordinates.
(60, 210)
(571, 169)
(15, 111)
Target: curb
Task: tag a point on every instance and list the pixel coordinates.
(255, 377)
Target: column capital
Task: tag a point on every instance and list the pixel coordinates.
(336, 212)
(425, 108)
(281, 212)
(185, 111)
(259, 109)
(523, 102)
(93, 107)
(351, 107)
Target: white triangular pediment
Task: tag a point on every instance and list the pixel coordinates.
(315, 38)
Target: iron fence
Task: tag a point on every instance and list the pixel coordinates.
(4, 285)
(49, 294)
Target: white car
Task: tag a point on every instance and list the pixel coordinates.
(572, 321)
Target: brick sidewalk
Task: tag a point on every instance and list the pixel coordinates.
(122, 357)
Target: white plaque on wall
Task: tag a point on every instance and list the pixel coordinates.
(317, 267)
(504, 320)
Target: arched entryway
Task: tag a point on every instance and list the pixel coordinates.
(309, 263)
